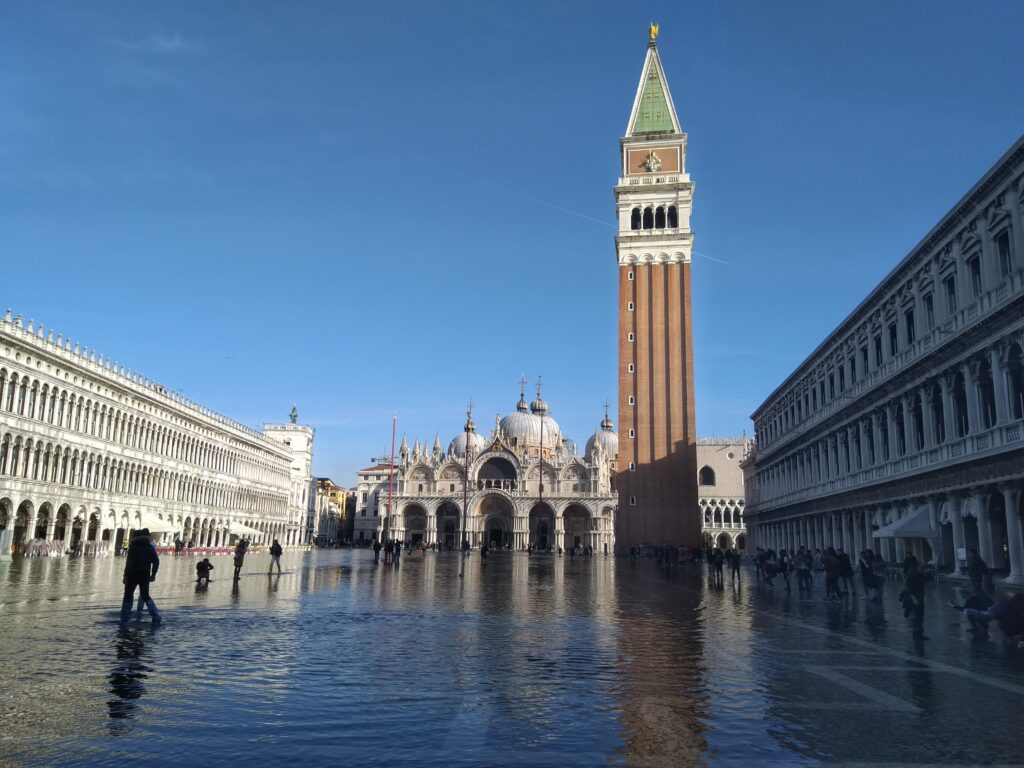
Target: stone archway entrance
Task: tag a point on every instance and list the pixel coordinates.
(576, 524)
(414, 521)
(542, 527)
(496, 513)
(449, 522)
(723, 541)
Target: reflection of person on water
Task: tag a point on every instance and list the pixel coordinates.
(127, 675)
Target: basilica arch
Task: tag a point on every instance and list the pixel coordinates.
(496, 515)
(542, 526)
(576, 524)
(448, 523)
(414, 524)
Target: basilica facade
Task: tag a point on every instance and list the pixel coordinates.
(522, 485)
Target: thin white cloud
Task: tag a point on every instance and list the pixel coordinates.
(161, 45)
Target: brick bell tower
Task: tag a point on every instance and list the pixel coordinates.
(657, 430)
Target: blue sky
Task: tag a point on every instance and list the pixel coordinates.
(361, 207)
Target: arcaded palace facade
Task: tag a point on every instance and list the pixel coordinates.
(905, 427)
(527, 485)
(90, 451)
(654, 246)
(720, 491)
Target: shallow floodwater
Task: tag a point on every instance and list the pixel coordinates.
(532, 660)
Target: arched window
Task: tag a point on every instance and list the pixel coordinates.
(634, 219)
(673, 217)
(648, 218)
(659, 218)
(706, 476)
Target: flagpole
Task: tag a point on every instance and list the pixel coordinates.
(391, 473)
(465, 498)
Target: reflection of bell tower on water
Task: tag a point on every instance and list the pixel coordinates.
(657, 431)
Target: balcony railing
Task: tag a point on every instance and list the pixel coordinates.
(993, 440)
(961, 321)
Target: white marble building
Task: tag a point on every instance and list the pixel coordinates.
(298, 440)
(527, 485)
(905, 427)
(720, 491)
(90, 450)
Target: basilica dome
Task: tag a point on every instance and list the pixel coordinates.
(457, 446)
(606, 437)
(523, 428)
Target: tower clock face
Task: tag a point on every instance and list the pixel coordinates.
(663, 158)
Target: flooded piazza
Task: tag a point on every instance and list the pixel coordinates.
(527, 660)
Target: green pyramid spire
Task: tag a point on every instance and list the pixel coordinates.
(653, 113)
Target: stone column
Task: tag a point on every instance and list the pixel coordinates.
(890, 412)
(984, 528)
(926, 417)
(957, 521)
(909, 436)
(869, 539)
(999, 386)
(973, 411)
(946, 383)
(1011, 497)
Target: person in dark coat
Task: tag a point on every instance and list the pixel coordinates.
(140, 567)
(845, 572)
(912, 598)
(275, 558)
(977, 570)
(831, 562)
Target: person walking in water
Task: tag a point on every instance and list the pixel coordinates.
(240, 550)
(140, 567)
(275, 558)
(376, 552)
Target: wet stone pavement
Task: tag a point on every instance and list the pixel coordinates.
(526, 661)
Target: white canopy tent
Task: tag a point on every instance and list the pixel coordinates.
(140, 520)
(241, 529)
(915, 525)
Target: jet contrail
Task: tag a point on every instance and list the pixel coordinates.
(546, 204)
(577, 214)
